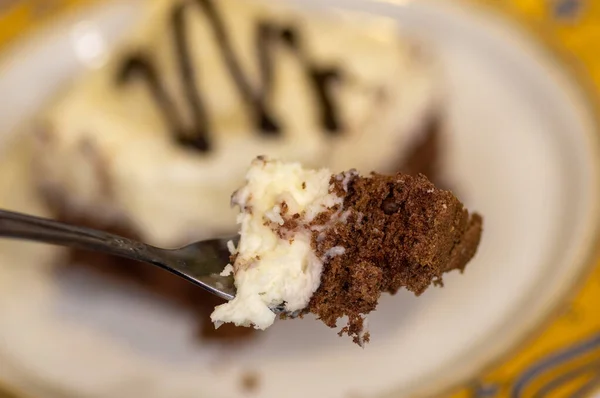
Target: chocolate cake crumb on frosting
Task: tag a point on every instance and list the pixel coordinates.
(400, 231)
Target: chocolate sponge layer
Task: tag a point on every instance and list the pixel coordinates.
(399, 231)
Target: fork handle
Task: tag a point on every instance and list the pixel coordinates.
(22, 226)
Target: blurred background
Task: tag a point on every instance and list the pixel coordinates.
(504, 97)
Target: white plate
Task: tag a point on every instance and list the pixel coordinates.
(523, 149)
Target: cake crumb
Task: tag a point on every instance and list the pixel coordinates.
(250, 382)
(228, 270)
(231, 247)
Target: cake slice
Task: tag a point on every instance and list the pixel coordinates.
(313, 242)
(149, 143)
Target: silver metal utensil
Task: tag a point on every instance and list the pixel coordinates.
(200, 263)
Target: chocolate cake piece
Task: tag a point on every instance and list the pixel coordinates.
(313, 242)
(400, 232)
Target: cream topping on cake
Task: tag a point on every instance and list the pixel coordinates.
(202, 87)
(275, 262)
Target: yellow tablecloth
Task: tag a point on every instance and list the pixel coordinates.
(563, 358)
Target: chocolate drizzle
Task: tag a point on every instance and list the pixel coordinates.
(199, 134)
(321, 79)
(255, 97)
(139, 66)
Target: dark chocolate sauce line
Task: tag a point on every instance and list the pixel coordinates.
(198, 137)
(321, 79)
(264, 37)
(255, 98)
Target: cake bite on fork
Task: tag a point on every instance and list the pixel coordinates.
(330, 244)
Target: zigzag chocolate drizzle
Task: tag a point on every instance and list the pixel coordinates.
(138, 65)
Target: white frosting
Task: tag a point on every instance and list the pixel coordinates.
(99, 133)
(270, 269)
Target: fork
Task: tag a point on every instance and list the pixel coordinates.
(200, 263)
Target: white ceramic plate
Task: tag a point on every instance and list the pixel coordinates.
(522, 148)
